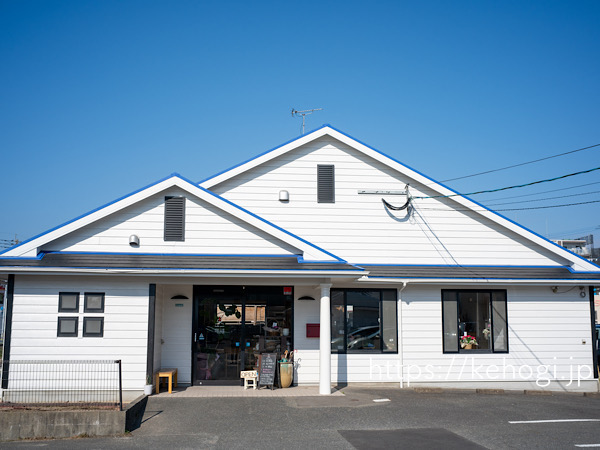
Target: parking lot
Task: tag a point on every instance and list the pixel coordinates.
(361, 418)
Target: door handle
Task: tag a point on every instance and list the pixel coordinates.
(195, 340)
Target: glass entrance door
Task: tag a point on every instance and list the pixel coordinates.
(232, 325)
(217, 334)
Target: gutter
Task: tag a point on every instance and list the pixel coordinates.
(508, 281)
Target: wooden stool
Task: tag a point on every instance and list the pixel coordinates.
(170, 374)
(250, 378)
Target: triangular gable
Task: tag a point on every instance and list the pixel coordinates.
(310, 252)
(577, 263)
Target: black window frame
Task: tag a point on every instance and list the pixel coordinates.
(325, 183)
(174, 218)
(474, 351)
(381, 350)
(68, 318)
(88, 334)
(92, 310)
(68, 310)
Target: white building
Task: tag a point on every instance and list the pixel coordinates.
(306, 239)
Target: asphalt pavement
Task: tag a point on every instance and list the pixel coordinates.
(362, 418)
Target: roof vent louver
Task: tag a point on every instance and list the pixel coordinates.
(325, 183)
(174, 218)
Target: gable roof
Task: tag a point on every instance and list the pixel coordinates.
(311, 252)
(577, 263)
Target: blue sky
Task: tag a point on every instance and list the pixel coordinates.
(98, 99)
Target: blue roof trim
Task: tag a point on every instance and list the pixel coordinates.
(462, 265)
(263, 153)
(570, 269)
(584, 281)
(90, 212)
(464, 196)
(256, 255)
(176, 175)
(178, 269)
(420, 173)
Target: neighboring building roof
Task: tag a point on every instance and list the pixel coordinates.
(579, 263)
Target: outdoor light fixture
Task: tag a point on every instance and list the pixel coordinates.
(306, 297)
(179, 297)
(554, 289)
(134, 241)
(581, 291)
(284, 196)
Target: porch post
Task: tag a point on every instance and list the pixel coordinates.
(325, 342)
(151, 318)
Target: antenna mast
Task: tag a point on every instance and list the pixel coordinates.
(304, 113)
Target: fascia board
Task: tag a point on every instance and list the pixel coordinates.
(579, 263)
(29, 247)
(480, 281)
(311, 252)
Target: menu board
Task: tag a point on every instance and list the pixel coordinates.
(266, 369)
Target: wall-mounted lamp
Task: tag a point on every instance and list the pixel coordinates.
(179, 297)
(306, 297)
(581, 291)
(554, 289)
(284, 196)
(134, 241)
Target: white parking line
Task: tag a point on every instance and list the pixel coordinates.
(378, 400)
(587, 445)
(555, 421)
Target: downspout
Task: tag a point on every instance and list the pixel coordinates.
(401, 346)
(594, 337)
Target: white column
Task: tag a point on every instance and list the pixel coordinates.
(325, 342)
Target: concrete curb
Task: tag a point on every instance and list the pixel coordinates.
(32, 424)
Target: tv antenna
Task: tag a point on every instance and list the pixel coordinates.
(304, 113)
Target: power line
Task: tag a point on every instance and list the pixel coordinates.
(544, 192)
(515, 187)
(542, 199)
(521, 164)
(514, 209)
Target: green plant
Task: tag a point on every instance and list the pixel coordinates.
(467, 340)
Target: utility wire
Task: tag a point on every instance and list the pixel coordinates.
(514, 209)
(521, 164)
(542, 199)
(514, 187)
(542, 192)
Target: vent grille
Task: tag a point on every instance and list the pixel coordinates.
(325, 184)
(174, 218)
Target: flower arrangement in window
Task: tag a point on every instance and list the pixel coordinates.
(487, 330)
(467, 341)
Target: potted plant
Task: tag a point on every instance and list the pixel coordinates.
(467, 341)
(148, 386)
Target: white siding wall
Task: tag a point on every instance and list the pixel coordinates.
(35, 317)
(547, 332)
(358, 227)
(207, 231)
(176, 346)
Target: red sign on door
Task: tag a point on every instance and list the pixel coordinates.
(287, 291)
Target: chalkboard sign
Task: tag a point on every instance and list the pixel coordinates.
(266, 369)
